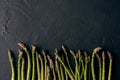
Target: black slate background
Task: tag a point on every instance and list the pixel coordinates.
(83, 24)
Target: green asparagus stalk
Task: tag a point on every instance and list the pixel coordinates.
(54, 73)
(82, 73)
(86, 66)
(79, 64)
(61, 70)
(67, 59)
(100, 66)
(33, 63)
(12, 65)
(103, 66)
(62, 73)
(45, 63)
(110, 65)
(76, 63)
(57, 69)
(29, 60)
(19, 64)
(52, 67)
(48, 73)
(66, 76)
(92, 61)
(65, 67)
(38, 66)
(42, 67)
(23, 69)
(89, 69)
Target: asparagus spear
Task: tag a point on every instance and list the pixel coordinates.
(82, 73)
(103, 66)
(66, 76)
(12, 65)
(79, 64)
(19, 64)
(110, 65)
(23, 69)
(86, 63)
(92, 61)
(57, 69)
(89, 69)
(45, 63)
(38, 66)
(65, 67)
(66, 55)
(100, 68)
(29, 60)
(52, 67)
(42, 67)
(76, 63)
(33, 63)
(48, 73)
(62, 73)
(61, 70)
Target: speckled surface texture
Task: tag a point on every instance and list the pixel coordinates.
(83, 24)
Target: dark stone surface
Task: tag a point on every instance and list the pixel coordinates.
(83, 24)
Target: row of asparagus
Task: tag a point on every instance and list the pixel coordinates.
(40, 66)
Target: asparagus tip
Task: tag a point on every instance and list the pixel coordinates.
(49, 58)
(97, 49)
(51, 62)
(21, 45)
(86, 56)
(109, 55)
(85, 53)
(43, 52)
(77, 55)
(56, 50)
(9, 53)
(79, 51)
(33, 47)
(72, 52)
(63, 47)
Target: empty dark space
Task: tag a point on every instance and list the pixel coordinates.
(77, 24)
